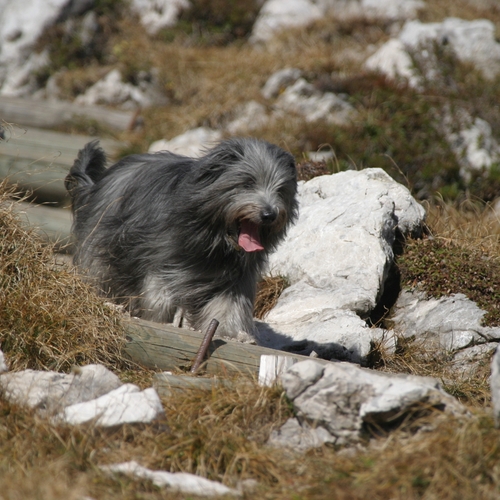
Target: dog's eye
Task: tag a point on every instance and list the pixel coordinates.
(248, 185)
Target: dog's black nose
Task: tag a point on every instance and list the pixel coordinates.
(268, 216)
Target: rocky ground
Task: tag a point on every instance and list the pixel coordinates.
(391, 109)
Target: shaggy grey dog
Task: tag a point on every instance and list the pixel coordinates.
(162, 232)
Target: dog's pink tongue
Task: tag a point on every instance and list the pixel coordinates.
(249, 237)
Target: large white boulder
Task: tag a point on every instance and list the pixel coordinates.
(337, 258)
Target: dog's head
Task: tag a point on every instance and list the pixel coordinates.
(251, 186)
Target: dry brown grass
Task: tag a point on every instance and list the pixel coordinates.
(268, 292)
(49, 318)
(221, 433)
(473, 225)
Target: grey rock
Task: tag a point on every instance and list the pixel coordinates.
(394, 61)
(346, 397)
(277, 15)
(191, 143)
(21, 24)
(50, 391)
(125, 405)
(113, 91)
(301, 378)
(304, 99)
(3, 363)
(301, 437)
(467, 362)
(176, 482)
(248, 118)
(471, 140)
(495, 386)
(449, 323)
(279, 81)
(158, 14)
(471, 42)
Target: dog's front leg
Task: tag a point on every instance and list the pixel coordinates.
(234, 312)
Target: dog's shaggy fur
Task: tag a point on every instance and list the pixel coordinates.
(162, 232)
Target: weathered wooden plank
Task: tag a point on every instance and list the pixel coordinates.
(165, 347)
(167, 384)
(52, 114)
(39, 160)
(52, 224)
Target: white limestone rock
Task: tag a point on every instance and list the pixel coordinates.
(192, 143)
(125, 405)
(394, 61)
(158, 14)
(279, 81)
(248, 118)
(3, 363)
(345, 397)
(467, 362)
(471, 42)
(178, 482)
(21, 24)
(337, 257)
(279, 15)
(304, 99)
(113, 91)
(300, 437)
(50, 391)
(450, 323)
(495, 386)
(471, 140)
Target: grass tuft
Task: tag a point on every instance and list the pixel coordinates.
(49, 319)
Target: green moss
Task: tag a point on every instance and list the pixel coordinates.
(65, 46)
(215, 22)
(441, 268)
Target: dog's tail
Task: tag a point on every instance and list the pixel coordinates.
(87, 169)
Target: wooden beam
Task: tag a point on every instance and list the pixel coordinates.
(53, 114)
(165, 347)
(39, 160)
(52, 224)
(167, 384)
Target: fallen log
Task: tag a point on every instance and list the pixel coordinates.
(38, 160)
(165, 347)
(52, 224)
(53, 114)
(167, 384)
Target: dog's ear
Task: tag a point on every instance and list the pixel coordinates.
(218, 159)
